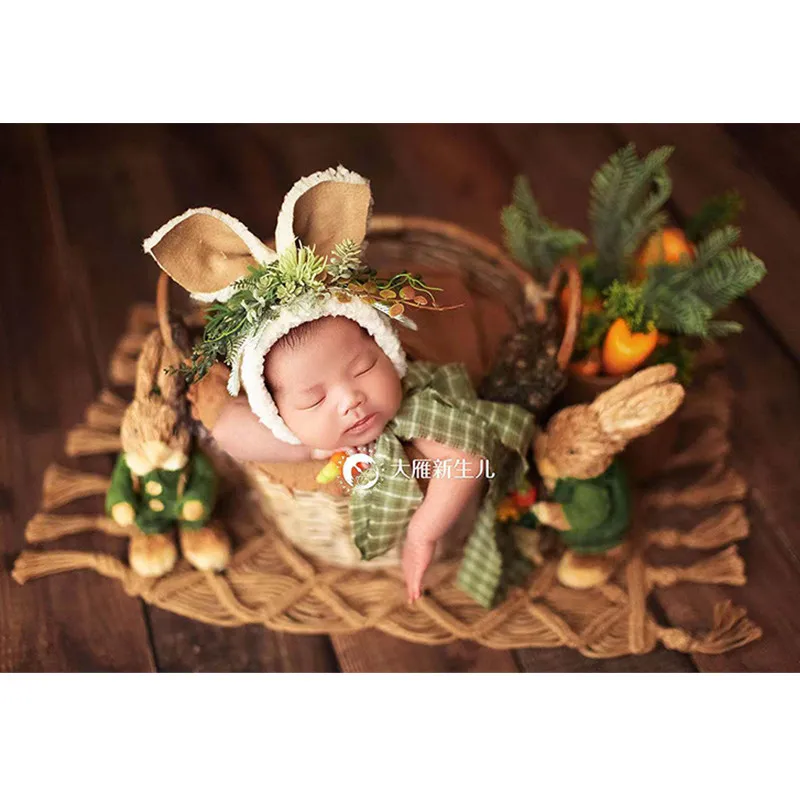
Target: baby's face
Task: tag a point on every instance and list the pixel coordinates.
(335, 378)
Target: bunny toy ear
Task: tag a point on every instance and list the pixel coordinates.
(205, 251)
(640, 403)
(148, 365)
(323, 210)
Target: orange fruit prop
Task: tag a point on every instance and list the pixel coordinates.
(624, 351)
(667, 246)
(588, 366)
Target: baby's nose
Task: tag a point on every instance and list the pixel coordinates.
(352, 401)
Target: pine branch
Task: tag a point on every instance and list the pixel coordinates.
(685, 300)
(534, 242)
(626, 198)
(730, 276)
(723, 327)
(710, 248)
(716, 213)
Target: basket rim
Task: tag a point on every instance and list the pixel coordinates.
(535, 295)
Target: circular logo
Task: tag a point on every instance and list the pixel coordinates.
(354, 465)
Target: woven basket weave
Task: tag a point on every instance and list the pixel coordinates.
(317, 520)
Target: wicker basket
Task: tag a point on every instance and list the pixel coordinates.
(316, 519)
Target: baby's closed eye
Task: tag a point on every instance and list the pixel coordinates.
(363, 370)
(315, 405)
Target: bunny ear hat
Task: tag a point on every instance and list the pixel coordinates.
(260, 294)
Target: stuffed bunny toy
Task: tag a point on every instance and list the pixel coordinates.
(160, 480)
(576, 456)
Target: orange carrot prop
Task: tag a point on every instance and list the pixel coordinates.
(624, 351)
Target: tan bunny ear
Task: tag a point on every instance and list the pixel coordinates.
(170, 383)
(323, 210)
(148, 365)
(205, 251)
(662, 373)
(640, 403)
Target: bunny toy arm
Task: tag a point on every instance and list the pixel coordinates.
(198, 498)
(122, 501)
(445, 499)
(552, 515)
(587, 507)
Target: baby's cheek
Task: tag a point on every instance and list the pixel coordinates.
(387, 392)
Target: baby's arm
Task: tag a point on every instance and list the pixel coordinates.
(445, 499)
(242, 435)
(236, 428)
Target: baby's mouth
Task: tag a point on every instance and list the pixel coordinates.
(362, 424)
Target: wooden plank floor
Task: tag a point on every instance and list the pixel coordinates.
(76, 202)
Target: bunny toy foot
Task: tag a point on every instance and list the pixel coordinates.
(586, 572)
(152, 555)
(206, 549)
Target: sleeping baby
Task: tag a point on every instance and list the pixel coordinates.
(310, 339)
(336, 390)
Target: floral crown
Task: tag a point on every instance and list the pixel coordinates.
(300, 275)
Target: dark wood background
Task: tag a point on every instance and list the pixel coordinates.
(76, 202)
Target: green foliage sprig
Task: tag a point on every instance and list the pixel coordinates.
(627, 200)
(299, 274)
(685, 301)
(535, 242)
(625, 206)
(717, 212)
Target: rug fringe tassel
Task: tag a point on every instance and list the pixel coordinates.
(731, 629)
(106, 412)
(130, 345)
(61, 485)
(46, 527)
(713, 445)
(142, 318)
(728, 488)
(31, 565)
(726, 566)
(729, 526)
(718, 414)
(112, 400)
(122, 370)
(84, 441)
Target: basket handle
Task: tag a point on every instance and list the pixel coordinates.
(568, 269)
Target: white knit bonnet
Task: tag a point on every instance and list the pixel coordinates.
(212, 255)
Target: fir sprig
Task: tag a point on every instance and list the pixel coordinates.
(626, 199)
(717, 212)
(685, 301)
(535, 242)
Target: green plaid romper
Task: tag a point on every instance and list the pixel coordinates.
(441, 404)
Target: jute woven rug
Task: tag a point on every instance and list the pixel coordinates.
(696, 505)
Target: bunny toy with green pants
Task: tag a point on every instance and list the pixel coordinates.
(161, 481)
(576, 455)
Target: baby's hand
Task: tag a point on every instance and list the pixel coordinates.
(418, 552)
